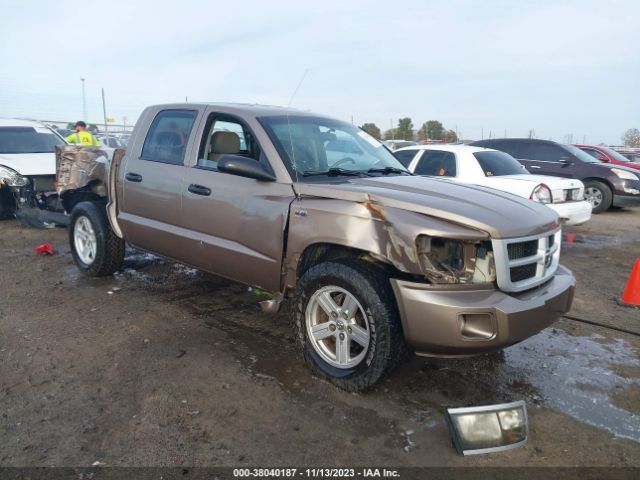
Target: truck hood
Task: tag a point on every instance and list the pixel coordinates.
(27, 164)
(500, 214)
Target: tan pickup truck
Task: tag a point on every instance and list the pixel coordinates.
(314, 209)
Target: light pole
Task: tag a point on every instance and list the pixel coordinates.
(84, 102)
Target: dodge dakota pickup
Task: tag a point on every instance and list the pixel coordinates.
(376, 261)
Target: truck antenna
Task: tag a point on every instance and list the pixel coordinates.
(293, 95)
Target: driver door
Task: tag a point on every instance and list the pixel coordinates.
(236, 224)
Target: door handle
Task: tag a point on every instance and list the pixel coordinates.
(199, 190)
(133, 177)
(534, 166)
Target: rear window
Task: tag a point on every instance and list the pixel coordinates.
(28, 140)
(497, 164)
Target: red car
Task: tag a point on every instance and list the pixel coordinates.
(609, 155)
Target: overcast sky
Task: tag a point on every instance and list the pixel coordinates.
(559, 67)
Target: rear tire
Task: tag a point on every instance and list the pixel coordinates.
(95, 248)
(599, 195)
(363, 313)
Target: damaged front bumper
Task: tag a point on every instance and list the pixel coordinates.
(459, 320)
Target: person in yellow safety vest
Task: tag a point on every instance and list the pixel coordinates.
(82, 137)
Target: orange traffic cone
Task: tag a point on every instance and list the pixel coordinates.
(631, 295)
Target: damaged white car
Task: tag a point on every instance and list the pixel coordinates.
(27, 167)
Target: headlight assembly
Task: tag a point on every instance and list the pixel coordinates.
(11, 178)
(487, 429)
(624, 174)
(445, 260)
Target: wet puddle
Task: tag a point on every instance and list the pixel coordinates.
(579, 376)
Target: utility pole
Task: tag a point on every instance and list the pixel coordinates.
(393, 137)
(84, 102)
(106, 127)
(482, 133)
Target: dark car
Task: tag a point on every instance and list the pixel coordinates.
(605, 184)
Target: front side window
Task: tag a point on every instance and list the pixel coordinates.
(314, 147)
(594, 153)
(497, 164)
(436, 163)
(168, 135)
(579, 154)
(226, 135)
(405, 156)
(28, 140)
(616, 155)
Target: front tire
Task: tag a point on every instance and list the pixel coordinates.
(599, 195)
(95, 248)
(347, 324)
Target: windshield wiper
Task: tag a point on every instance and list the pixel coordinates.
(335, 172)
(388, 170)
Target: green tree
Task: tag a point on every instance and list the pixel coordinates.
(450, 136)
(435, 130)
(391, 134)
(631, 138)
(372, 129)
(405, 129)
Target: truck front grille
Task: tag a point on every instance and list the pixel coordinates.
(524, 263)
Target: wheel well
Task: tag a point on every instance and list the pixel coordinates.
(601, 180)
(324, 252)
(93, 191)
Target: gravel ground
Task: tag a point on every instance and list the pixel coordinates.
(162, 365)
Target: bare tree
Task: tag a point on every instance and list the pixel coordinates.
(631, 138)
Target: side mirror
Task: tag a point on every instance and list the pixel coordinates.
(604, 159)
(244, 167)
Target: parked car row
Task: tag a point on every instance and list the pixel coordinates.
(606, 184)
(499, 170)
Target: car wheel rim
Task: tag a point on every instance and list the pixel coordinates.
(337, 327)
(84, 239)
(593, 196)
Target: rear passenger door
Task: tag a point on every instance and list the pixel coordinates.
(236, 225)
(150, 206)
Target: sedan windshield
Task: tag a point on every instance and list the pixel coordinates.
(498, 164)
(28, 140)
(317, 147)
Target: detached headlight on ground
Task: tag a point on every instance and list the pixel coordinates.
(491, 428)
(11, 178)
(624, 174)
(541, 194)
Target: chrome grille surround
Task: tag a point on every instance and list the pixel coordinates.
(545, 259)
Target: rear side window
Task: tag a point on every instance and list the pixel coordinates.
(546, 152)
(515, 149)
(167, 138)
(437, 163)
(405, 157)
(496, 164)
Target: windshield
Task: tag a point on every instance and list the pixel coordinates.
(28, 140)
(498, 164)
(582, 155)
(618, 156)
(312, 146)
